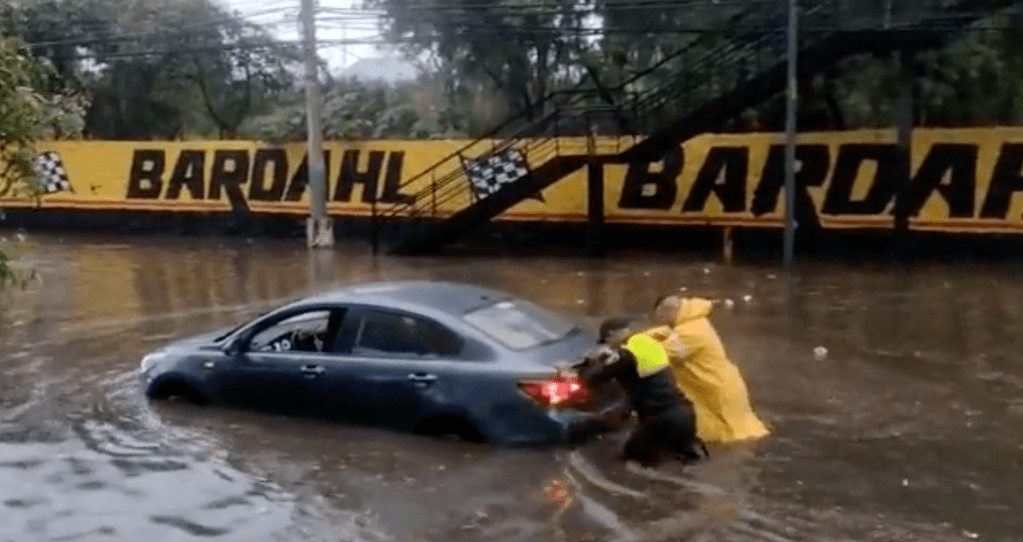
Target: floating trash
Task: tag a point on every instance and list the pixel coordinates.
(747, 298)
(729, 303)
(820, 353)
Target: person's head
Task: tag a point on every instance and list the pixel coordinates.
(666, 309)
(614, 331)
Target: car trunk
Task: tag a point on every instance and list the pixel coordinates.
(569, 351)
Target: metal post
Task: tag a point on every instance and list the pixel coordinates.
(904, 132)
(790, 139)
(319, 228)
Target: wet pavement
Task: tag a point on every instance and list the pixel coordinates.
(911, 428)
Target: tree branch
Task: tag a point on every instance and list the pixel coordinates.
(201, 80)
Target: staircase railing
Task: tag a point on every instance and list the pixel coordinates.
(706, 76)
(707, 68)
(446, 181)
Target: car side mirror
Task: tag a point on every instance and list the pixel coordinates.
(235, 346)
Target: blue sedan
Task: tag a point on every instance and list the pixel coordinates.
(429, 357)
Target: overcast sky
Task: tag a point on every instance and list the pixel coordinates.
(347, 22)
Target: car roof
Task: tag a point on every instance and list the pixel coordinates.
(451, 298)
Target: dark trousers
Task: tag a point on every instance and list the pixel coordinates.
(672, 430)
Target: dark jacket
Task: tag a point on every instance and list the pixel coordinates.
(649, 395)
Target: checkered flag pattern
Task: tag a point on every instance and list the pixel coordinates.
(52, 176)
(490, 174)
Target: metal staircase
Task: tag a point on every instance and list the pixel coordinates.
(708, 81)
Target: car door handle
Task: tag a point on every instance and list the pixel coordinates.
(313, 370)
(422, 378)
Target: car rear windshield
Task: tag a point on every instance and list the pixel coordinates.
(519, 324)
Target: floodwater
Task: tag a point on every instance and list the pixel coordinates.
(911, 428)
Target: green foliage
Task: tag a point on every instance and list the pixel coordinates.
(975, 81)
(27, 114)
(189, 68)
(501, 57)
(354, 109)
(194, 69)
(11, 278)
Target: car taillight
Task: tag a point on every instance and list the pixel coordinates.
(556, 391)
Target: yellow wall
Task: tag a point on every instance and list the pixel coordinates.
(962, 180)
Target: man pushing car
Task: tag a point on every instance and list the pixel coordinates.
(703, 372)
(640, 364)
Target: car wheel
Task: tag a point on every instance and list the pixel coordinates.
(450, 426)
(177, 390)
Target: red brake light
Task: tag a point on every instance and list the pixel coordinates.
(555, 391)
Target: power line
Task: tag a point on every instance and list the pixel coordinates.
(206, 25)
(472, 25)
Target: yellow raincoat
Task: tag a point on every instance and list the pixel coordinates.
(705, 375)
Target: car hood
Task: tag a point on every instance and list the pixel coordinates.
(197, 341)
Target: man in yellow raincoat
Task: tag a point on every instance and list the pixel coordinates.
(703, 372)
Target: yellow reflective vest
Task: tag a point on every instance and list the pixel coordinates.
(650, 354)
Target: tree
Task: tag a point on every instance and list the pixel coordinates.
(156, 70)
(511, 53)
(26, 116)
(355, 109)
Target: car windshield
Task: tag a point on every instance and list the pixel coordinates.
(235, 329)
(519, 324)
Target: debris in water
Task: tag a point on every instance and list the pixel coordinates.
(905, 482)
(968, 534)
(820, 353)
(747, 298)
(706, 270)
(683, 289)
(729, 303)
(20, 237)
(772, 276)
(580, 302)
(646, 274)
(558, 492)
(581, 273)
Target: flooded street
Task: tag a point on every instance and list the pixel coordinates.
(910, 429)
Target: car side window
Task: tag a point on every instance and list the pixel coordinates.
(304, 332)
(381, 333)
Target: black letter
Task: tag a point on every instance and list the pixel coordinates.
(732, 192)
(144, 180)
(1005, 180)
(960, 191)
(814, 160)
(838, 200)
(351, 175)
(257, 186)
(300, 180)
(639, 177)
(188, 172)
(230, 179)
(392, 183)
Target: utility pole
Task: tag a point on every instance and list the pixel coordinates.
(319, 227)
(790, 139)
